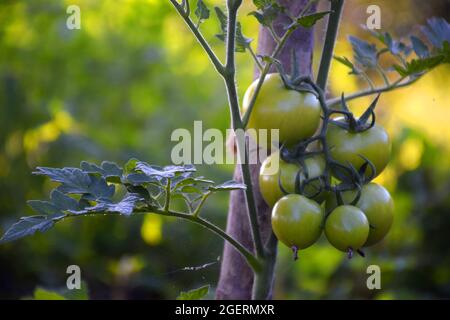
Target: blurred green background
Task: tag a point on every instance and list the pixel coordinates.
(118, 87)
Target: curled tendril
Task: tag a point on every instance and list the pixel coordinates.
(362, 169)
(319, 188)
(298, 184)
(358, 196)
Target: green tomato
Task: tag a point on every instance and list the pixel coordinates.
(377, 205)
(347, 228)
(295, 114)
(346, 147)
(286, 173)
(297, 221)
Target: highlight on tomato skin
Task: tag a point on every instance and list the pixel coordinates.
(296, 114)
(347, 228)
(354, 147)
(297, 221)
(269, 181)
(376, 203)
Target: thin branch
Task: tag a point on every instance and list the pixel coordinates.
(258, 63)
(382, 74)
(273, 34)
(212, 56)
(249, 257)
(395, 85)
(167, 201)
(200, 205)
(366, 77)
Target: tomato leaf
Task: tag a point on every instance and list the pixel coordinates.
(228, 185)
(365, 53)
(310, 20)
(109, 170)
(267, 12)
(346, 62)
(163, 172)
(125, 206)
(437, 31)
(419, 66)
(242, 42)
(202, 11)
(420, 49)
(27, 226)
(194, 294)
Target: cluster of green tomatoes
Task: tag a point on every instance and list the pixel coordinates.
(326, 184)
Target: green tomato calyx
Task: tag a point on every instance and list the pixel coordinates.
(352, 124)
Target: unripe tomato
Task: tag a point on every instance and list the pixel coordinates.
(346, 146)
(286, 173)
(295, 114)
(377, 205)
(297, 221)
(347, 228)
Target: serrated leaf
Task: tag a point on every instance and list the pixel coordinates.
(28, 226)
(202, 11)
(242, 42)
(364, 53)
(130, 165)
(125, 206)
(63, 201)
(194, 294)
(44, 294)
(73, 180)
(163, 172)
(76, 181)
(228, 185)
(419, 47)
(78, 294)
(267, 13)
(310, 20)
(190, 189)
(43, 207)
(437, 31)
(109, 170)
(346, 62)
(137, 179)
(260, 4)
(419, 66)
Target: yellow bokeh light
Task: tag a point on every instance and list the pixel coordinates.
(151, 230)
(411, 153)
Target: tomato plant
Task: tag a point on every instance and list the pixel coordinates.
(285, 97)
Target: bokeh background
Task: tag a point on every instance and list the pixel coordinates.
(118, 87)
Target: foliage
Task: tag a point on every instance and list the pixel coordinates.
(147, 71)
(194, 294)
(87, 191)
